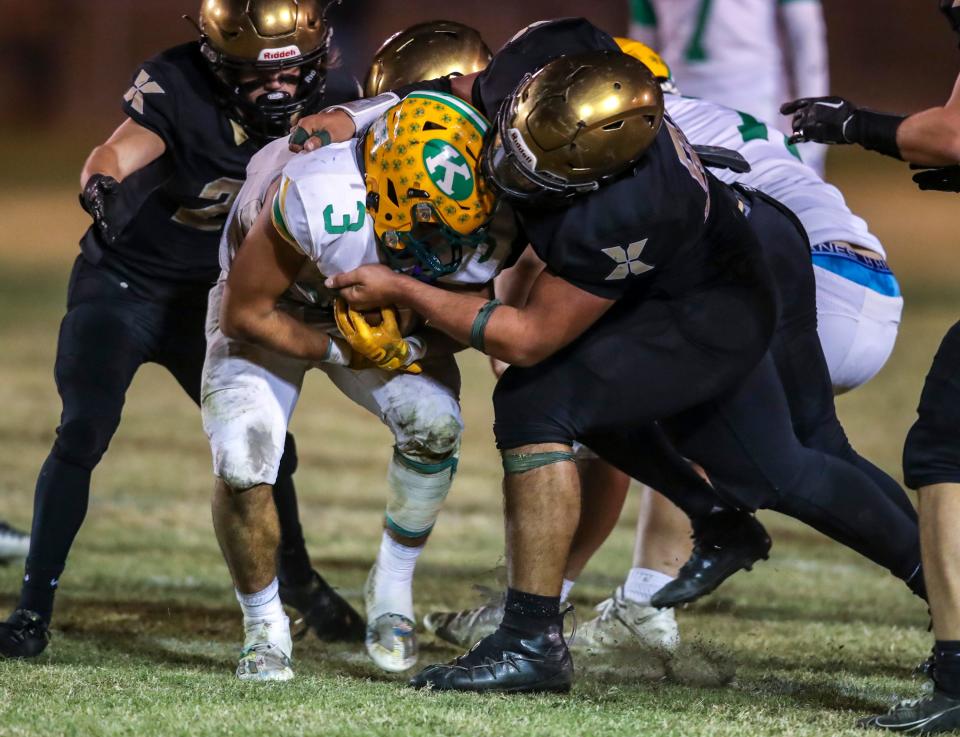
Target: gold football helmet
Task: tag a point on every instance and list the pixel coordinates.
(240, 36)
(652, 60)
(426, 51)
(576, 122)
(424, 189)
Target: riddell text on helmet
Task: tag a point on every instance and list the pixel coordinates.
(287, 52)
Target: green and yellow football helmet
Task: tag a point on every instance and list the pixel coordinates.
(652, 60)
(424, 189)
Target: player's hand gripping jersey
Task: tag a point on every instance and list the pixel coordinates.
(176, 206)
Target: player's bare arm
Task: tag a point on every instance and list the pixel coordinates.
(932, 137)
(130, 148)
(265, 266)
(556, 312)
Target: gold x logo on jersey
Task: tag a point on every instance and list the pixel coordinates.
(142, 85)
(628, 260)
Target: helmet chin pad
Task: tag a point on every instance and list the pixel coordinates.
(272, 113)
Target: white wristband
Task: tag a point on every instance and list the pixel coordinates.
(337, 354)
(418, 349)
(364, 113)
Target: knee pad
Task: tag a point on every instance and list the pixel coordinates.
(288, 462)
(246, 459)
(418, 490)
(428, 433)
(82, 441)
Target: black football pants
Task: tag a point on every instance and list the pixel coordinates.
(720, 408)
(798, 354)
(106, 335)
(931, 454)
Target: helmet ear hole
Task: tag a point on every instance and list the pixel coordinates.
(392, 193)
(614, 126)
(431, 126)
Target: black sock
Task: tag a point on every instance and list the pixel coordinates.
(59, 508)
(527, 614)
(39, 587)
(294, 562)
(946, 668)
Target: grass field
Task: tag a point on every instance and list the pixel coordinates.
(147, 630)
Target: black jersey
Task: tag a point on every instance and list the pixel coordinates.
(179, 203)
(665, 228)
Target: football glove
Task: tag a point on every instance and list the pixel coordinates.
(820, 119)
(943, 179)
(383, 344)
(96, 198)
(835, 120)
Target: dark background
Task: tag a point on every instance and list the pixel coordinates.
(65, 63)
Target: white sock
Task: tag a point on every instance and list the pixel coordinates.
(262, 604)
(565, 591)
(393, 587)
(264, 618)
(642, 583)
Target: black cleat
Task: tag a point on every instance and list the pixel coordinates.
(725, 543)
(324, 611)
(23, 635)
(928, 715)
(507, 663)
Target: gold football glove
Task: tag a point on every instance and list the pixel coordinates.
(383, 344)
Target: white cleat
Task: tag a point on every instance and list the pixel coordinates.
(392, 642)
(266, 652)
(13, 544)
(466, 627)
(391, 638)
(622, 622)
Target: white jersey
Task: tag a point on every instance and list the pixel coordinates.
(776, 169)
(751, 55)
(320, 209)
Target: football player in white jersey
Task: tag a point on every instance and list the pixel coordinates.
(749, 55)
(409, 195)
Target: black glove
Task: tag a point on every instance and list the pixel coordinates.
(820, 119)
(96, 199)
(943, 179)
(835, 120)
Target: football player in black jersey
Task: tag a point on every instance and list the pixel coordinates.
(656, 304)
(931, 454)
(158, 191)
